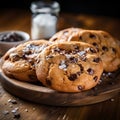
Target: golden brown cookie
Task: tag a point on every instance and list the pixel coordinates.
(69, 66)
(65, 35)
(19, 61)
(107, 46)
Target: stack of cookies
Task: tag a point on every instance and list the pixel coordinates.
(73, 60)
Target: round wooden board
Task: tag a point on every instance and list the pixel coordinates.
(40, 94)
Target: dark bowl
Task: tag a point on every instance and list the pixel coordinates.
(9, 39)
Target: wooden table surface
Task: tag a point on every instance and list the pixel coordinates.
(107, 110)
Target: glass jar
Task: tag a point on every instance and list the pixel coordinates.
(44, 19)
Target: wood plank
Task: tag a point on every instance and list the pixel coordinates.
(41, 94)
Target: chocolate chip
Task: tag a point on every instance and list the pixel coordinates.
(27, 52)
(95, 78)
(68, 52)
(6, 57)
(76, 47)
(97, 60)
(72, 77)
(15, 57)
(94, 44)
(54, 39)
(48, 82)
(57, 49)
(80, 37)
(73, 60)
(104, 48)
(29, 49)
(114, 50)
(80, 87)
(38, 61)
(92, 36)
(24, 56)
(90, 71)
(79, 73)
(92, 50)
(49, 57)
(81, 68)
(31, 61)
(10, 37)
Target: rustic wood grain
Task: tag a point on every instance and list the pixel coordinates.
(42, 95)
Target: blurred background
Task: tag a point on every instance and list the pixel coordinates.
(99, 7)
(87, 14)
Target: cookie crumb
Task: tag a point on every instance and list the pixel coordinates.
(26, 110)
(12, 101)
(11, 106)
(33, 108)
(112, 100)
(5, 112)
(16, 113)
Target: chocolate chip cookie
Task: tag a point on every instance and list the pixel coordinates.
(69, 66)
(65, 35)
(106, 44)
(19, 61)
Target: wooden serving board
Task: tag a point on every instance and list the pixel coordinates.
(109, 87)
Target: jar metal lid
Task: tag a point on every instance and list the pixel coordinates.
(45, 7)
